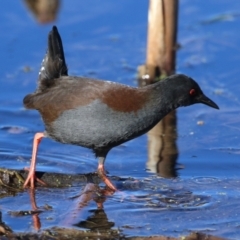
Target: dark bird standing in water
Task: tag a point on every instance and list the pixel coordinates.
(99, 114)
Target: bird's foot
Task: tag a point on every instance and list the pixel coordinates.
(103, 176)
(30, 179)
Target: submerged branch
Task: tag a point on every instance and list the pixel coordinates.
(11, 181)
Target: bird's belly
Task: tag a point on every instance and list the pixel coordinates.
(98, 126)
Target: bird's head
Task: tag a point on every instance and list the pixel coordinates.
(184, 91)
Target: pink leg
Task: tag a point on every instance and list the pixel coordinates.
(103, 176)
(31, 175)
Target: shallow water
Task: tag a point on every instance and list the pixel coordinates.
(108, 41)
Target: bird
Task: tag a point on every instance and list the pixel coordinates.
(99, 114)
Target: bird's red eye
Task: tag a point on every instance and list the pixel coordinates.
(192, 92)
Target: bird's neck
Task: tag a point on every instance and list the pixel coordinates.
(162, 98)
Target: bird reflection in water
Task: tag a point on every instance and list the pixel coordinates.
(91, 192)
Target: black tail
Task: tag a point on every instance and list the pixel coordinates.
(53, 65)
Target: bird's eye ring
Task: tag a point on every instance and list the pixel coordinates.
(192, 92)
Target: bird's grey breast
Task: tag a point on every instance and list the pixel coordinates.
(97, 125)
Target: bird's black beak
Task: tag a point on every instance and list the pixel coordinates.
(207, 101)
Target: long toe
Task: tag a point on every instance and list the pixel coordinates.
(31, 180)
(105, 179)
